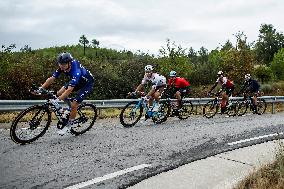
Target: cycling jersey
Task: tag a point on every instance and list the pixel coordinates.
(79, 75)
(156, 79)
(226, 83)
(178, 82)
(251, 86)
(81, 79)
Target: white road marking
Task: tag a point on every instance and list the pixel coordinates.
(108, 176)
(255, 138)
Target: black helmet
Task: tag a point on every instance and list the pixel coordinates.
(64, 58)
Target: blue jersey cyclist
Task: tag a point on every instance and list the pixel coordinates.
(81, 81)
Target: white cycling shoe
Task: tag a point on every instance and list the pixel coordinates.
(66, 129)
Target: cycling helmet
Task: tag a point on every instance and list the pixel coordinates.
(64, 58)
(173, 74)
(247, 76)
(220, 73)
(148, 68)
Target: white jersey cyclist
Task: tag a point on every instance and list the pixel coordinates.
(156, 79)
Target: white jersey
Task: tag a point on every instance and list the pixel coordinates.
(156, 79)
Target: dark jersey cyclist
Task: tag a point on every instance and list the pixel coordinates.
(251, 87)
(178, 86)
(81, 81)
(227, 89)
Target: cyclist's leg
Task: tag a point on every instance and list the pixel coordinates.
(254, 98)
(62, 90)
(224, 101)
(151, 95)
(81, 95)
(178, 96)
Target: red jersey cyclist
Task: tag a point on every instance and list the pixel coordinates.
(178, 86)
(227, 89)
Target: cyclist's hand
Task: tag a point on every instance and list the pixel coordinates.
(37, 91)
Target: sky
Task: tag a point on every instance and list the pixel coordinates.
(134, 25)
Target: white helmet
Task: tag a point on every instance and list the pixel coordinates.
(149, 68)
(173, 74)
(220, 73)
(247, 77)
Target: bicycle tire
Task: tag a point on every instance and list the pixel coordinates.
(163, 113)
(33, 124)
(232, 109)
(261, 106)
(130, 112)
(84, 110)
(186, 110)
(242, 108)
(210, 109)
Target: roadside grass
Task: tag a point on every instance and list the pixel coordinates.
(270, 176)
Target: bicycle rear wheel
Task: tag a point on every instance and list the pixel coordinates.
(261, 106)
(86, 117)
(30, 124)
(186, 109)
(131, 114)
(210, 109)
(163, 113)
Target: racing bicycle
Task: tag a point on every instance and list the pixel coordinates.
(34, 121)
(183, 112)
(247, 103)
(211, 108)
(133, 111)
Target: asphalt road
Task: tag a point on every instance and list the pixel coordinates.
(103, 155)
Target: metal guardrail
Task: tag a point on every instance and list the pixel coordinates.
(18, 105)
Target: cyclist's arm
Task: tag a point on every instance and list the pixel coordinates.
(48, 82)
(66, 93)
(139, 88)
(213, 87)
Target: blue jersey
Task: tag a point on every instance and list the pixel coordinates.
(79, 75)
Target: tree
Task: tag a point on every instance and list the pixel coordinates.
(26, 48)
(277, 65)
(263, 73)
(84, 41)
(95, 43)
(268, 44)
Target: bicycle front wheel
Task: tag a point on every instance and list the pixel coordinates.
(261, 106)
(210, 109)
(186, 109)
(131, 114)
(30, 124)
(242, 107)
(85, 119)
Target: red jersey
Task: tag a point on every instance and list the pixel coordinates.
(178, 82)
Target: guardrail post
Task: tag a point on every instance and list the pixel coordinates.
(273, 106)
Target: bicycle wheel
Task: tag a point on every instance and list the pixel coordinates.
(242, 107)
(162, 114)
(85, 119)
(186, 109)
(30, 124)
(131, 114)
(232, 109)
(261, 106)
(210, 108)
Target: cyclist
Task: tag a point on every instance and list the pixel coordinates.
(251, 87)
(158, 84)
(81, 81)
(178, 86)
(226, 90)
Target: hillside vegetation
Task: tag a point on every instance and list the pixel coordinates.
(118, 72)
